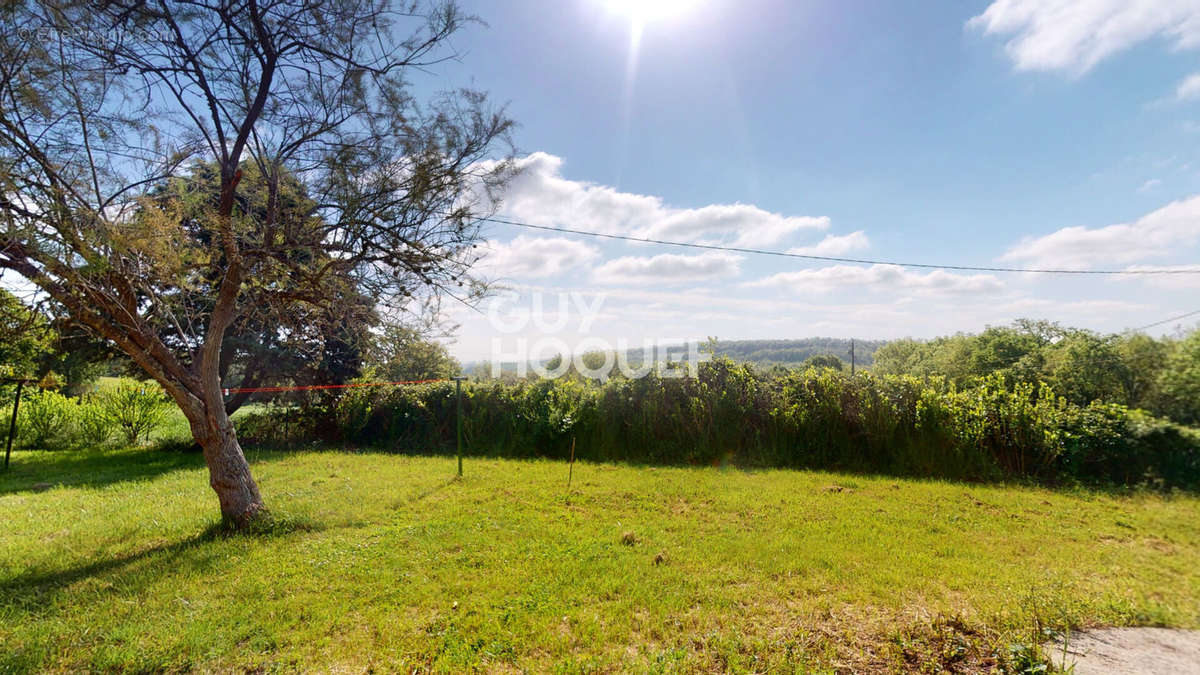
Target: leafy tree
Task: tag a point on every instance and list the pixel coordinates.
(25, 336)
(284, 340)
(997, 349)
(1179, 381)
(122, 96)
(33, 344)
(1086, 367)
(904, 357)
(78, 355)
(824, 361)
(1143, 359)
(403, 353)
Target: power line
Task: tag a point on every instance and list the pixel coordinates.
(823, 258)
(1159, 323)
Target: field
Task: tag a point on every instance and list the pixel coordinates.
(387, 562)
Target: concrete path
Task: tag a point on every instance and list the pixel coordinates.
(1132, 651)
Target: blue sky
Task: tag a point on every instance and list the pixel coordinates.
(1020, 133)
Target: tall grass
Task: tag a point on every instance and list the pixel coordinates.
(731, 413)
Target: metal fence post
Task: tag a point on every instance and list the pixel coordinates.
(12, 425)
(458, 392)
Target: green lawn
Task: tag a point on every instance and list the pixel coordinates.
(384, 561)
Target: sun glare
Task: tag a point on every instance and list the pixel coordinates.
(642, 11)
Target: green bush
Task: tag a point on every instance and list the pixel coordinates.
(45, 418)
(733, 414)
(94, 426)
(135, 409)
(1111, 443)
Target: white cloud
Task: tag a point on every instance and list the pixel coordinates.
(1075, 35)
(668, 268)
(536, 257)
(1189, 88)
(834, 244)
(880, 277)
(1150, 185)
(1086, 309)
(540, 195)
(750, 225)
(1157, 234)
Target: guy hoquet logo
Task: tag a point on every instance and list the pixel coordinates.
(555, 314)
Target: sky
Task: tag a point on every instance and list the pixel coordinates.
(1008, 133)
(1017, 133)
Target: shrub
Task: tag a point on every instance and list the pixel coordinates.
(1111, 443)
(93, 424)
(45, 418)
(135, 409)
(732, 413)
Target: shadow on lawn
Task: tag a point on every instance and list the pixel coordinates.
(33, 586)
(195, 553)
(733, 463)
(30, 470)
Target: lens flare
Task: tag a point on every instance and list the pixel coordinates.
(641, 11)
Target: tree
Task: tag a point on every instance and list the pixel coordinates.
(998, 348)
(904, 357)
(1086, 367)
(403, 353)
(77, 355)
(34, 344)
(103, 101)
(1142, 359)
(24, 336)
(1179, 381)
(821, 361)
(283, 340)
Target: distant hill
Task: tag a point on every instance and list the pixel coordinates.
(767, 353)
(763, 353)
(795, 352)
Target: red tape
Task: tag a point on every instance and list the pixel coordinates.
(312, 387)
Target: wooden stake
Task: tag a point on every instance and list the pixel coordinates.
(571, 467)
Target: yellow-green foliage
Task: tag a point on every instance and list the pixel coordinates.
(49, 420)
(135, 409)
(732, 413)
(45, 418)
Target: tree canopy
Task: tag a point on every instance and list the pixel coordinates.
(1159, 375)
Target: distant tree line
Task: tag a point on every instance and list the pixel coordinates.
(797, 352)
(819, 352)
(1160, 375)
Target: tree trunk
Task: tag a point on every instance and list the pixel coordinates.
(228, 471)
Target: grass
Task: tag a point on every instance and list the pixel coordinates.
(386, 562)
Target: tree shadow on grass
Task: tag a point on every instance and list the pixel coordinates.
(1064, 485)
(32, 470)
(138, 569)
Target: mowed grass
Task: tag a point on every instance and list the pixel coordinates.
(386, 562)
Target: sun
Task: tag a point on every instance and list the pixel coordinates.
(641, 12)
